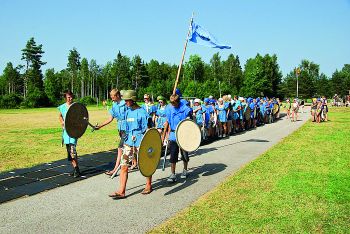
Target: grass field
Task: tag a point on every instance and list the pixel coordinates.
(301, 185)
(33, 136)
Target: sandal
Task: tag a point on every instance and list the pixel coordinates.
(114, 195)
(118, 196)
(109, 173)
(146, 191)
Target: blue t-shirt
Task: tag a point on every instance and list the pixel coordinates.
(149, 108)
(136, 125)
(175, 115)
(209, 110)
(118, 112)
(252, 107)
(199, 114)
(161, 116)
(66, 138)
(222, 113)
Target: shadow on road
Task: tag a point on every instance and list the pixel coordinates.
(29, 181)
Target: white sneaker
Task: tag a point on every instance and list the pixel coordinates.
(184, 174)
(172, 178)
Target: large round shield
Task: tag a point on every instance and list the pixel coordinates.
(188, 135)
(275, 108)
(247, 113)
(76, 120)
(149, 152)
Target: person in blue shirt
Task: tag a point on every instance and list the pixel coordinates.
(160, 114)
(221, 111)
(136, 126)
(70, 142)
(199, 113)
(117, 112)
(210, 117)
(176, 111)
(150, 109)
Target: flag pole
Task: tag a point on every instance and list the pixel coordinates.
(183, 55)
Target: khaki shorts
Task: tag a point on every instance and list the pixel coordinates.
(129, 153)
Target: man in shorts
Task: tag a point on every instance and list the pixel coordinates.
(117, 112)
(70, 142)
(136, 126)
(175, 113)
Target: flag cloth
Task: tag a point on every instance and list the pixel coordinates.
(202, 37)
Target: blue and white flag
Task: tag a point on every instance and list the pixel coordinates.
(202, 37)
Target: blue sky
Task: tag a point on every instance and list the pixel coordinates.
(155, 29)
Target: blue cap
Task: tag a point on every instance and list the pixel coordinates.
(178, 92)
(206, 100)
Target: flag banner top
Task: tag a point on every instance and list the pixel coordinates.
(201, 36)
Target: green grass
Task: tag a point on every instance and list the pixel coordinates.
(33, 136)
(301, 185)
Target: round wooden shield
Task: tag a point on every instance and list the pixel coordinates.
(247, 113)
(149, 152)
(275, 108)
(188, 135)
(76, 120)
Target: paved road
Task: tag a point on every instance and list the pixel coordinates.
(84, 207)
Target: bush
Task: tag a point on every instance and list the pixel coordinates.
(36, 98)
(10, 101)
(88, 100)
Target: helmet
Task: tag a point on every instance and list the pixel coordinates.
(129, 95)
(160, 97)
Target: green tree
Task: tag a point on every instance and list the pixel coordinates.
(33, 78)
(53, 86)
(216, 67)
(73, 66)
(307, 79)
(11, 78)
(194, 69)
(84, 77)
(121, 74)
(232, 73)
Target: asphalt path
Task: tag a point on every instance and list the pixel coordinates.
(84, 207)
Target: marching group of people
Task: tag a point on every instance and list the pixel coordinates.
(216, 118)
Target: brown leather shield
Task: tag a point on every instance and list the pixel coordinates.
(275, 109)
(149, 152)
(247, 113)
(188, 135)
(76, 120)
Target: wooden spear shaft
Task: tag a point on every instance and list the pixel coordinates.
(183, 56)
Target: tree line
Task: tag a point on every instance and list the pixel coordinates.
(25, 85)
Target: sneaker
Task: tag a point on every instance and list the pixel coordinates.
(172, 178)
(224, 135)
(184, 174)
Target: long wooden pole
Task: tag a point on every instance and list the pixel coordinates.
(183, 56)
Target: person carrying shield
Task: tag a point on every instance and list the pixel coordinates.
(117, 112)
(136, 126)
(70, 142)
(175, 113)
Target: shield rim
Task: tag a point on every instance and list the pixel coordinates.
(138, 152)
(176, 130)
(65, 119)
